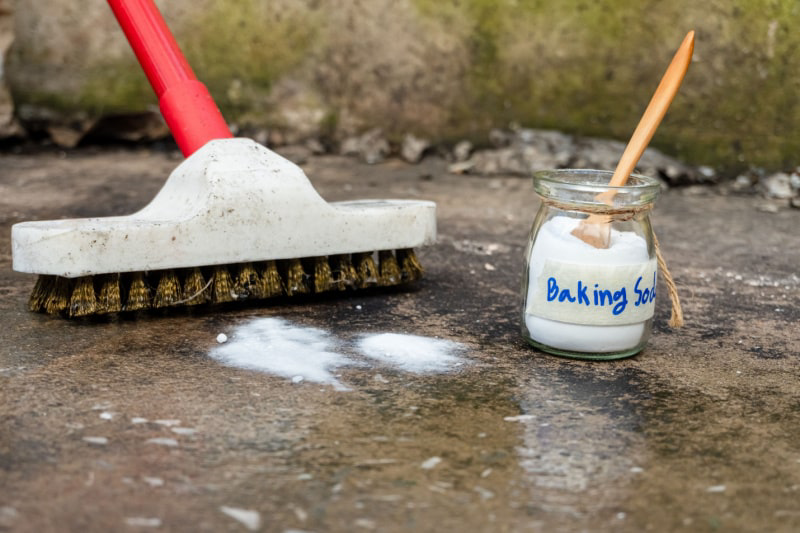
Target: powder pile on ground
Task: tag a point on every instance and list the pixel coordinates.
(412, 353)
(279, 347)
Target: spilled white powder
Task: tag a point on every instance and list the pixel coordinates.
(301, 353)
(279, 347)
(412, 353)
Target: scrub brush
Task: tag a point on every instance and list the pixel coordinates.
(234, 221)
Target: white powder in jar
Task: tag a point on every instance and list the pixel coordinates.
(555, 243)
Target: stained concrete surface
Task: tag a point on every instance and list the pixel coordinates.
(700, 432)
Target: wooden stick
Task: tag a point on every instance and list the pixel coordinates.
(596, 229)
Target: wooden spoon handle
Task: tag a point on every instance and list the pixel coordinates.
(656, 109)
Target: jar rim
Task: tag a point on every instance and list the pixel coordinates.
(636, 182)
(582, 187)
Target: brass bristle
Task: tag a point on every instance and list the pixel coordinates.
(344, 273)
(323, 277)
(168, 291)
(223, 286)
(389, 271)
(410, 266)
(195, 288)
(77, 297)
(271, 280)
(58, 300)
(248, 283)
(41, 291)
(109, 299)
(83, 301)
(366, 272)
(139, 294)
(295, 278)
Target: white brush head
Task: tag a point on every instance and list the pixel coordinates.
(232, 201)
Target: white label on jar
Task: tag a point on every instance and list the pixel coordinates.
(605, 295)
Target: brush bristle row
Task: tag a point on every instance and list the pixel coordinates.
(135, 291)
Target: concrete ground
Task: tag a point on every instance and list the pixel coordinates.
(699, 432)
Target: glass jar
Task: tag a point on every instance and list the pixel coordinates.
(580, 300)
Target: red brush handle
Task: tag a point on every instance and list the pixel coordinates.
(190, 112)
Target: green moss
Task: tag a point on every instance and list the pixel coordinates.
(117, 87)
(240, 48)
(589, 67)
(108, 89)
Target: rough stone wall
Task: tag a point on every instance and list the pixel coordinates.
(8, 125)
(442, 69)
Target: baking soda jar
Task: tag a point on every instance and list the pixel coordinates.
(579, 300)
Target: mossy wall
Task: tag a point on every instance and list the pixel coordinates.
(445, 69)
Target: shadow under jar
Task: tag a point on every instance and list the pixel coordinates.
(578, 300)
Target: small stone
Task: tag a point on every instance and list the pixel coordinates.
(184, 431)
(98, 441)
(371, 147)
(716, 488)
(706, 171)
(169, 422)
(519, 418)
(248, 518)
(316, 147)
(500, 138)
(8, 515)
(461, 167)
(462, 151)
(490, 267)
(297, 379)
(778, 186)
(365, 523)
(105, 415)
(222, 338)
(153, 481)
(768, 208)
(140, 521)
(163, 441)
(413, 148)
(485, 494)
(429, 464)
